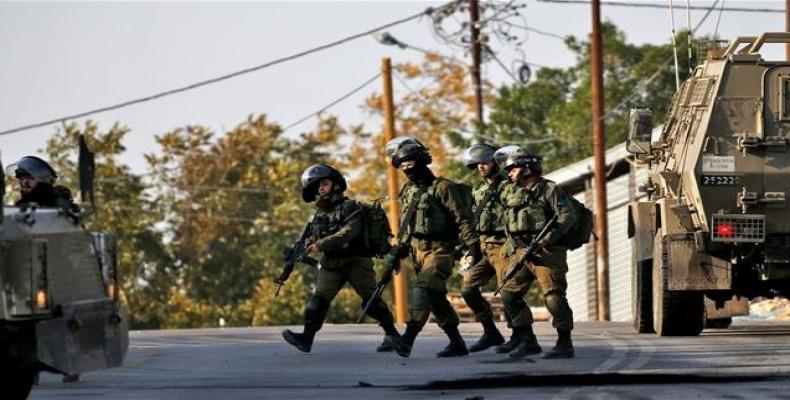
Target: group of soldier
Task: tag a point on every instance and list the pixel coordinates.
(511, 204)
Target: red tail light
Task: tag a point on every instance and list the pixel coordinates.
(725, 230)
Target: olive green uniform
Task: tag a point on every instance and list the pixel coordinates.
(490, 225)
(443, 215)
(527, 211)
(336, 230)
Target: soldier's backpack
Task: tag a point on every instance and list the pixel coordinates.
(376, 232)
(580, 232)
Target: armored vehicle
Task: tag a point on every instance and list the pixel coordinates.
(59, 298)
(715, 224)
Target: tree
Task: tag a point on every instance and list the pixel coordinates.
(551, 115)
(122, 209)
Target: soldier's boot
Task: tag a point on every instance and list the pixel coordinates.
(314, 314)
(491, 337)
(564, 346)
(528, 343)
(511, 344)
(457, 346)
(408, 337)
(393, 341)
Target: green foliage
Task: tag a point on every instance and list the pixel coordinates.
(201, 232)
(551, 115)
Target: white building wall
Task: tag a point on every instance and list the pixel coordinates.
(581, 293)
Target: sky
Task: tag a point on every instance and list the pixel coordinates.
(63, 58)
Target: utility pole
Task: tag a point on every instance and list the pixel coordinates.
(401, 279)
(787, 28)
(599, 147)
(474, 24)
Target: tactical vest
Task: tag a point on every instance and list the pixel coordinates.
(491, 214)
(326, 223)
(431, 218)
(525, 213)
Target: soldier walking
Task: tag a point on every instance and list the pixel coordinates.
(336, 233)
(488, 220)
(531, 201)
(443, 213)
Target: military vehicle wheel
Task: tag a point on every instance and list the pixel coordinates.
(16, 385)
(718, 323)
(675, 313)
(642, 300)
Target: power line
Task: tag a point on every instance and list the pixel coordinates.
(662, 6)
(196, 85)
(334, 102)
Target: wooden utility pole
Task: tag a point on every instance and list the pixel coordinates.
(474, 25)
(599, 147)
(787, 28)
(401, 279)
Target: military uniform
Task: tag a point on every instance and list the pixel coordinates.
(336, 230)
(528, 210)
(48, 196)
(443, 214)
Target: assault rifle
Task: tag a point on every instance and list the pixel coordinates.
(393, 258)
(294, 254)
(533, 246)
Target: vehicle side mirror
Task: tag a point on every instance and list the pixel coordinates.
(86, 168)
(640, 130)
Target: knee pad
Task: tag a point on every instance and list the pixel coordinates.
(471, 294)
(555, 302)
(513, 299)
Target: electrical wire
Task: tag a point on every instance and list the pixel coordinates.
(538, 31)
(333, 103)
(661, 6)
(721, 11)
(196, 85)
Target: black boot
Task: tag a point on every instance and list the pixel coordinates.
(302, 341)
(314, 314)
(407, 339)
(564, 346)
(528, 343)
(393, 341)
(457, 346)
(491, 337)
(511, 344)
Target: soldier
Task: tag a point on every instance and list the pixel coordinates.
(336, 233)
(37, 185)
(443, 213)
(489, 224)
(531, 201)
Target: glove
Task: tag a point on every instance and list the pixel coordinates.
(475, 253)
(393, 260)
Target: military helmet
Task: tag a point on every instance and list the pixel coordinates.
(516, 156)
(478, 153)
(314, 174)
(404, 148)
(39, 169)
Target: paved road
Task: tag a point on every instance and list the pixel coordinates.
(749, 360)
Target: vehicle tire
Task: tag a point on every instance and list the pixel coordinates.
(718, 323)
(675, 312)
(642, 299)
(16, 385)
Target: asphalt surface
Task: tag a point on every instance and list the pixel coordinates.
(750, 360)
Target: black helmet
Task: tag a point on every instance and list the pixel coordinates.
(313, 174)
(33, 166)
(516, 156)
(407, 149)
(478, 153)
